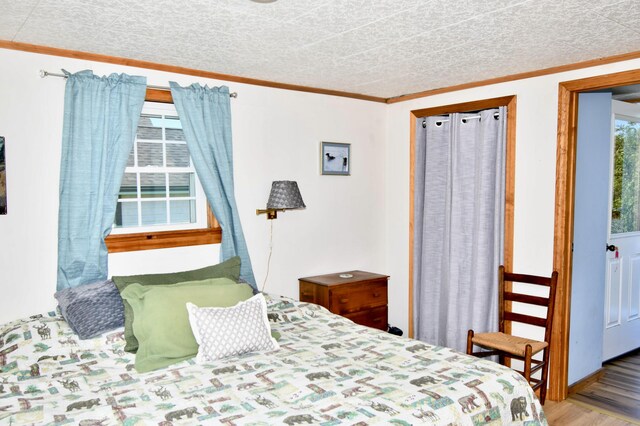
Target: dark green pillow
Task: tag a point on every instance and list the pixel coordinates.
(228, 269)
(161, 319)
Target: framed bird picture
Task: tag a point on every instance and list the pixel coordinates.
(335, 158)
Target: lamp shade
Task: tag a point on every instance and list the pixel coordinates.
(285, 195)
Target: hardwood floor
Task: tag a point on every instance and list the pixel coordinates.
(612, 400)
(567, 413)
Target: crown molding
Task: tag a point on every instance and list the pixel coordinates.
(519, 76)
(46, 50)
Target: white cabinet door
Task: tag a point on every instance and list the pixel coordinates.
(622, 295)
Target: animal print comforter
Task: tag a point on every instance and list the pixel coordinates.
(328, 371)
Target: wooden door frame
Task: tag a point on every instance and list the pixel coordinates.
(564, 210)
(510, 165)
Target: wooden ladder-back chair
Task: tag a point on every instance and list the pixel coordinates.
(507, 346)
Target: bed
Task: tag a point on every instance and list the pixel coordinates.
(327, 371)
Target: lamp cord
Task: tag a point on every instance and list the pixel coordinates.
(269, 258)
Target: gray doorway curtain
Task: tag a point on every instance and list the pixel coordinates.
(458, 224)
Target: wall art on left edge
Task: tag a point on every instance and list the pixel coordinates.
(3, 179)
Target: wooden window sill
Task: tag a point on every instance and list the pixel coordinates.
(166, 239)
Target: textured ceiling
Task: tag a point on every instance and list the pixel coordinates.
(383, 48)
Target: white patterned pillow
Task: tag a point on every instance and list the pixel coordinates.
(223, 332)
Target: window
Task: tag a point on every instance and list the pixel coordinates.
(161, 202)
(160, 189)
(625, 212)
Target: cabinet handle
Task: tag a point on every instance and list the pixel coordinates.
(376, 294)
(377, 319)
(344, 300)
(307, 294)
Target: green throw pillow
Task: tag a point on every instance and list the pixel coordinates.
(161, 322)
(228, 269)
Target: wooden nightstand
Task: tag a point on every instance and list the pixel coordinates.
(361, 298)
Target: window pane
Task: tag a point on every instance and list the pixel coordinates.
(177, 155)
(182, 185)
(183, 211)
(149, 154)
(153, 185)
(172, 122)
(150, 127)
(175, 135)
(126, 215)
(625, 212)
(173, 129)
(154, 212)
(130, 160)
(129, 188)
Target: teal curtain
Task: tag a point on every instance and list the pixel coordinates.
(100, 119)
(205, 114)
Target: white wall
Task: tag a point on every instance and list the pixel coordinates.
(277, 134)
(536, 139)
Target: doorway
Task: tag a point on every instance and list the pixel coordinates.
(606, 243)
(564, 214)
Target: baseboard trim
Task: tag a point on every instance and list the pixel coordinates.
(583, 383)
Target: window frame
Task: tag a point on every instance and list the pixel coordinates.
(212, 234)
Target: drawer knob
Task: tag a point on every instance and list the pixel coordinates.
(344, 300)
(377, 319)
(376, 294)
(307, 294)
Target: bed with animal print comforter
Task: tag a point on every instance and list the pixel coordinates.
(327, 371)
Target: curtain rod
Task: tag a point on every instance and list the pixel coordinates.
(44, 74)
(473, 117)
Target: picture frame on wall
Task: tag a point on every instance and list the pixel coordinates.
(3, 178)
(335, 158)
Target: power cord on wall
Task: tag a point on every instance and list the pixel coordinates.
(269, 258)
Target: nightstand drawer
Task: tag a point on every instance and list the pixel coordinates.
(374, 318)
(353, 298)
(311, 293)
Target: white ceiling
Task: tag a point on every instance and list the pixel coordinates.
(382, 48)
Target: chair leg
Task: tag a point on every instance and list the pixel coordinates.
(543, 391)
(545, 372)
(469, 342)
(527, 363)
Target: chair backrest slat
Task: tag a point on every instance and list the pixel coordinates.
(526, 319)
(525, 298)
(528, 279)
(506, 296)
